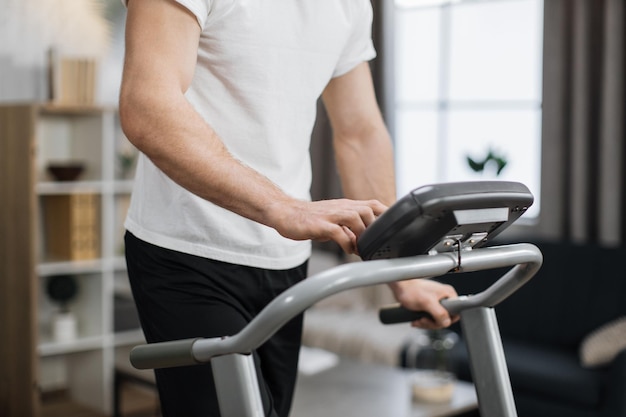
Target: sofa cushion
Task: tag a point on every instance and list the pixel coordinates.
(604, 344)
(544, 372)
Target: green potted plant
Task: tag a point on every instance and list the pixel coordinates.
(62, 289)
(126, 158)
(494, 161)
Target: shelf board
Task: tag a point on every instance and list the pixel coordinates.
(76, 187)
(123, 186)
(70, 267)
(73, 109)
(82, 344)
(48, 268)
(69, 187)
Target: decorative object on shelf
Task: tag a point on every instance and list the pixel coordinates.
(72, 226)
(77, 48)
(66, 171)
(492, 161)
(126, 158)
(62, 289)
(28, 28)
(73, 80)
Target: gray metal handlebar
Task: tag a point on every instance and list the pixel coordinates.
(525, 258)
(490, 297)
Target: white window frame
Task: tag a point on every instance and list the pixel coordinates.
(444, 106)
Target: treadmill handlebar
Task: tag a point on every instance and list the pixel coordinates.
(525, 259)
(397, 314)
(490, 297)
(164, 355)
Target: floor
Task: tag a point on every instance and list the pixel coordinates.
(136, 402)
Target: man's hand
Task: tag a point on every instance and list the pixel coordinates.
(425, 295)
(341, 220)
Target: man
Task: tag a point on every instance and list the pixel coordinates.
(220, 96)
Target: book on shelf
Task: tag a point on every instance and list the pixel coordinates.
(72, 80)
(72, 226)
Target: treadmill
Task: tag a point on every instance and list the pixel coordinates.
(432, 231)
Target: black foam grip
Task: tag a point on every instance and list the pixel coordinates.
(399, 314)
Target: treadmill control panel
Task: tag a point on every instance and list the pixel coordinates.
(445, 217)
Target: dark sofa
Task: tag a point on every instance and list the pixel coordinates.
(578, 290)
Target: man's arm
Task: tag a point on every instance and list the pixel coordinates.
(362, 144)
(161, 51)
(364, 156)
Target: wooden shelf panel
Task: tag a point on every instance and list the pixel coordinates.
(33, 136)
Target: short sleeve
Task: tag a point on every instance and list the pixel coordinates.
(359, 46)
(199, 8)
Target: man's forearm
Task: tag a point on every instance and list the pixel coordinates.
(362, 144)
(366, 165)
(180, 143)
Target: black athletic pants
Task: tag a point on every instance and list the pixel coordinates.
(181, 296)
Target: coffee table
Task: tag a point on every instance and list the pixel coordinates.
(352, 388)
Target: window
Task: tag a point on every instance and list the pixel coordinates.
(468, 91)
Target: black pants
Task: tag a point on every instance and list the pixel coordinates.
(181, 296)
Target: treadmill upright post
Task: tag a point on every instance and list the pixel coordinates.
(488, 365)
(237, 386)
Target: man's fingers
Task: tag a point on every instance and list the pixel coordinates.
(342, 236)
(341, 221)
(352, 248)
(371, 211)
(377, 207)
(360, 215)
(440, 318)
(353, 220)
(426, 295)
(347, 240)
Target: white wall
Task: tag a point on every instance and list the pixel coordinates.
(78, 28)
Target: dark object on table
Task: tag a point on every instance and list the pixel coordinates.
(66, 171)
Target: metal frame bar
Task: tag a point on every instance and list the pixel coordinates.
(487, 362)
(235, 374)
(237, 386)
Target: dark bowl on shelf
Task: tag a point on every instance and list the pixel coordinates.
(69, 171)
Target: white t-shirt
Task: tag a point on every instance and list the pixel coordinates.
(262, 65)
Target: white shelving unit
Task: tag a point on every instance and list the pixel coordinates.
(82, 366)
